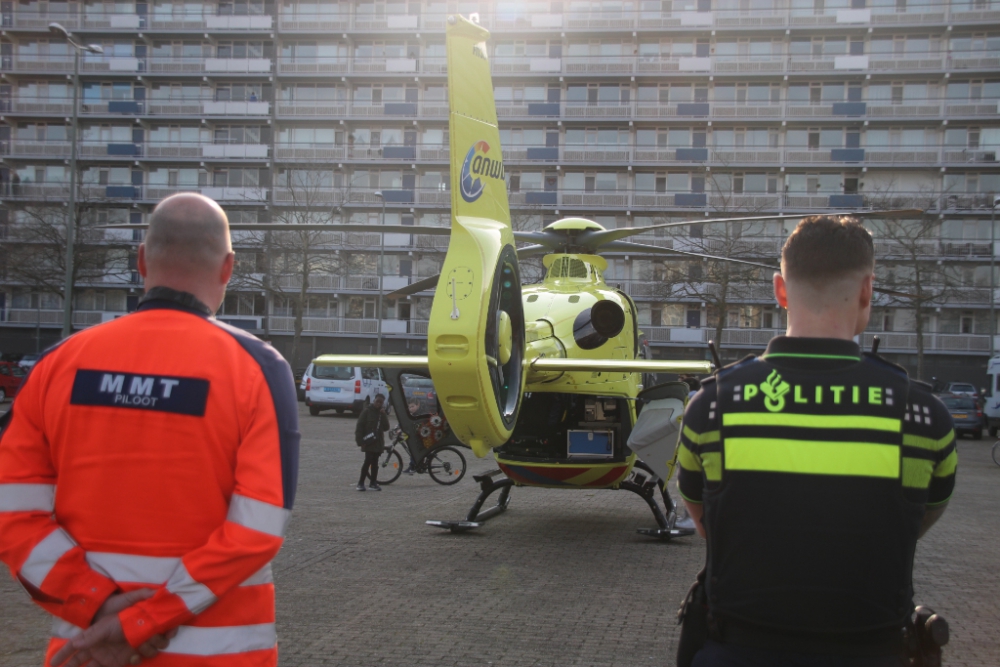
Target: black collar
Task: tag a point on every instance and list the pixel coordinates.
(166, 297)
(813, 348)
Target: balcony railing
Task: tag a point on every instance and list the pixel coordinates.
(136, 64)
(779, 15)
(414, 64)
(899, 342)
(934, 109)
(131, 21)
(618, 199)
(921, 156)
(36, 317)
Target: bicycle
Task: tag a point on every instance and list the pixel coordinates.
(446, 465)
(996, 452)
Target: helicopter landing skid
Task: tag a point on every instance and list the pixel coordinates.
(645, 486)
(475, 518)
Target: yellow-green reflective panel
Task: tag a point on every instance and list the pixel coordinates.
(808, 457)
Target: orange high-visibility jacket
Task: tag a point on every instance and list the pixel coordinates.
(158, 450)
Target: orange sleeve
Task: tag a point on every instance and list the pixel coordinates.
(247, 540)
(40, 553)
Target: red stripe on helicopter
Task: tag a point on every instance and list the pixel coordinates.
(532, 475)
(610, 478)
(522, 475)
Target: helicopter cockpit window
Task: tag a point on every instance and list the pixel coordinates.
(418, 392)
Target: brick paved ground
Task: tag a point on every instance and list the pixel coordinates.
(560, 579)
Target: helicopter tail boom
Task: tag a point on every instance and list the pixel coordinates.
(619, 366)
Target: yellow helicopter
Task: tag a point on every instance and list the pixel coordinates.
(548, 376)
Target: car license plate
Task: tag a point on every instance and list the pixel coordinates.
(334, 389)
(960, 416)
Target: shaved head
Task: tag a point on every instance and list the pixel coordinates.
(187, 248)
(187, 231)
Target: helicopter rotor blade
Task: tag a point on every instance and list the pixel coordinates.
(639, 247)
(626, 246)
(532, 250)
(596, 240)
(413, 288)
(431, 283)
(549, 239)
(318, 227)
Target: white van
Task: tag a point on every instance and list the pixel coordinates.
(991, 409)
(341, 387)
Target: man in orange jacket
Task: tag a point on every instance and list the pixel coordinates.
(148, 469)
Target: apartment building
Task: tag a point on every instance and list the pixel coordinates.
(629, 112)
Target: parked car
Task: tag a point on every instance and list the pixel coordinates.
(341, 388)
(962, 389)
(11, 378)
(965, 413)
(28, 361)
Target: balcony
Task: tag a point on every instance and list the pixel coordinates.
(19, 148)
(31, 317)
(136, 64)
(93, 19)
(894, 342)
(310, 152)
(341, 109)
(192, 18)
(327, 325)
(38, 64)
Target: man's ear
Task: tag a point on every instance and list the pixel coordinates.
(143, 270)
(227, 268)
(867, 291)
(780, 290)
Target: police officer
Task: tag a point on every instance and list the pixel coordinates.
(812, 471)
(149, 468)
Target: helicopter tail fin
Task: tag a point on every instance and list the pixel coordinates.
(478, 188)
(475, 337)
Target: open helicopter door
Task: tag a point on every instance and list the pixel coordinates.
(418, 412)
(654, 436)
(475, 337)
(654, 439)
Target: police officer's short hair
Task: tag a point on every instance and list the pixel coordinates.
(824, 247)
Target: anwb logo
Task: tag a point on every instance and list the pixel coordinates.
(477, 164)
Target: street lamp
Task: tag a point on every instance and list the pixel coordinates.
(57, 29)
(381, 254)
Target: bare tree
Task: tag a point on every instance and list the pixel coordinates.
(908, 252)
(34, 248)
(909, 264)
(719, 284)
(285, 264)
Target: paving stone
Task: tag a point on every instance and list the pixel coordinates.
(560, 579)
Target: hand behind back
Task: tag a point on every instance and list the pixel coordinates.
(103, 644)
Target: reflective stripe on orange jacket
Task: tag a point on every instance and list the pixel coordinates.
(159, 450)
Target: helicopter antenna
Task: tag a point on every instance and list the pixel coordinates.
(715, 354)
(875, 341)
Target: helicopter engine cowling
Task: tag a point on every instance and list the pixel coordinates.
(592, 328)
(542, 342)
